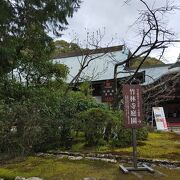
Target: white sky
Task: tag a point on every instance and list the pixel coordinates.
(116, 17)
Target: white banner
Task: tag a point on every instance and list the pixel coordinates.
(160, 118)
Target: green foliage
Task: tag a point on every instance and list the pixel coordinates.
(84, 102)
(102, 126)
(122, 136)
(70, 105)
(94, 124)
(142, 134)
(25, 45)
(29, 85)
(62, 46)
(148, 62)
(85, 88)
(36, 127)
(43, 117)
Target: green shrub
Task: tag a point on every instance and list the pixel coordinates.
(122, 136)
(35, 129)
(142, 133)
(44, 120)
(102, 126)
(95, 123)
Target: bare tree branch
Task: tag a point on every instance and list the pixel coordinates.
(154, 36)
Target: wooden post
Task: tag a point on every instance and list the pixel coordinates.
(134, 147)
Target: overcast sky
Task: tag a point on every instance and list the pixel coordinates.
(116, 17)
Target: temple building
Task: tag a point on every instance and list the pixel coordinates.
(161, 83)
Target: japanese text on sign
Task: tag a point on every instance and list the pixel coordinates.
(132, 106)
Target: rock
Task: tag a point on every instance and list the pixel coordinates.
(92, 158)
(34, 178)
(40, 154)
(75, 158)
(61, 156)
(31, 178)
(102, 159)
(20, 178)
(109, 160)
(89, 178)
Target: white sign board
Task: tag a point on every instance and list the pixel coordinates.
(160, 118)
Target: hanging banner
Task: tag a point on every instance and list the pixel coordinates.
(160, 118)
(108, 92)
(132, 96)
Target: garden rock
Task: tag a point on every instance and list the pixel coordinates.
(89, 178)
(20, 178)
(75, 158)
(31, 178)
(34, 178)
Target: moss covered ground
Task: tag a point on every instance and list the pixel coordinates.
(159, 145)
(162, 145)
(54, 168)
(51, 168)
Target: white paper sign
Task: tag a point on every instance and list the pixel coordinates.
(160, 118)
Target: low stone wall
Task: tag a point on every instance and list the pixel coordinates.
(108, 158)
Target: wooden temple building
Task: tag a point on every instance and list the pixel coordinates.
(161, 83)
(165, 92)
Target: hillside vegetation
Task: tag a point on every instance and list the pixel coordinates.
(150, 61)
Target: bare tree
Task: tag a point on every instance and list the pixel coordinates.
(161, 91)
(91, 51)
(153, 36)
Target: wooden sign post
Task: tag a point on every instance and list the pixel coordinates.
(132, 106)
(133, 118)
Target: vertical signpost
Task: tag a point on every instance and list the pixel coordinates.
(133, 118)
(132, 106)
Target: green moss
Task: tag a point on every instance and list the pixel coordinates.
(52, 168)
(49, 168)
(7, 174)
(161, 145)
